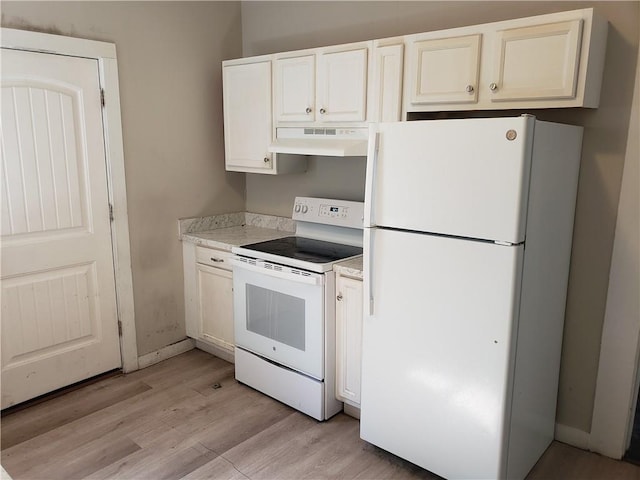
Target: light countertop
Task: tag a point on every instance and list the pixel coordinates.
(351, 267)
(229, 237)
(229, 230)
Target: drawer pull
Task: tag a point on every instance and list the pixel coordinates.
(217, 260)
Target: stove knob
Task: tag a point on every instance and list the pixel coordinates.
(305, 209)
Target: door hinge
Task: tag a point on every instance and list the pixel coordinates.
(110, 212)
(102, 97)
(119, 328)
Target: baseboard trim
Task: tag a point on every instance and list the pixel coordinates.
(166, 352)
(351, 411)
(572, 436)
(4, 475)
(216, 351)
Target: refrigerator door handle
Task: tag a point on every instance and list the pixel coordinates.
(372, 160)
(367, 272)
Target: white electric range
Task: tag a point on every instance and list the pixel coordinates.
(284, 310)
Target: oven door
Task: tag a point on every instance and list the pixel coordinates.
(279, 314)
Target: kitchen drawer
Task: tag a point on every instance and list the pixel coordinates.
(213, 257)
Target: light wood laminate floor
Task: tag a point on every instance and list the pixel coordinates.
(167, 422)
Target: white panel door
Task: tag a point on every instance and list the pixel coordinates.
(467, 177)
(437, 351)
(59, 320)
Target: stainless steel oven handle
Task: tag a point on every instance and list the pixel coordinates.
(308, 278)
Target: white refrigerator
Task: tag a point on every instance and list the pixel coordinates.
(468, 227)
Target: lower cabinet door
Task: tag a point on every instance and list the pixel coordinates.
(215, 302)
(348, 339)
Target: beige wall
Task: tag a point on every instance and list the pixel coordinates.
(280, 26)
(169, 58)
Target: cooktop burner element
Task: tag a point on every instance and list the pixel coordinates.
(306, 249)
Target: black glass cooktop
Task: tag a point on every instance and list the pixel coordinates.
(306, 249)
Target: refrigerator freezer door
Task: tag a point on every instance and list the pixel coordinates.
(466, 178)
(437, 351)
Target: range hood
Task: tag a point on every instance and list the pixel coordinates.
(323, 141)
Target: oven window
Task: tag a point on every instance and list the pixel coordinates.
(276, 315)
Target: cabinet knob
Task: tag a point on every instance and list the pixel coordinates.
(308, 110)
(339, 297)
(469, 89)
(493, 87)
(266, 159)
(323, 111)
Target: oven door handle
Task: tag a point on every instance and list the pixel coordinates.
(303, 277)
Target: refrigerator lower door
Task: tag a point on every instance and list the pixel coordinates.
(438, 350)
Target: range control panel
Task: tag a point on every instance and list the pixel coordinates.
(328, 211)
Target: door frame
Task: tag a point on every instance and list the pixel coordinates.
(105, 54)
(618, 378)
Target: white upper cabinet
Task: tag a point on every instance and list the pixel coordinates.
(342, 86)
(322, 85)
(445, 70)
(385, 87)
(536, 63)
(548, 61)
(247, 116)
(295, 89)
(248, 119)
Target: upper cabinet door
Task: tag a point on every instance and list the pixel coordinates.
(445, 70)
(386, 84)
(294, 85)
(342, 86)
(539, 62)
(247, 116)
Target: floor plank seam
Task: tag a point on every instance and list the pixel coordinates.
(235, 467)
(221, 455)
(209, 449)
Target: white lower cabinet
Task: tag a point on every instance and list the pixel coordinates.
(208, 290)
(348, 339)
